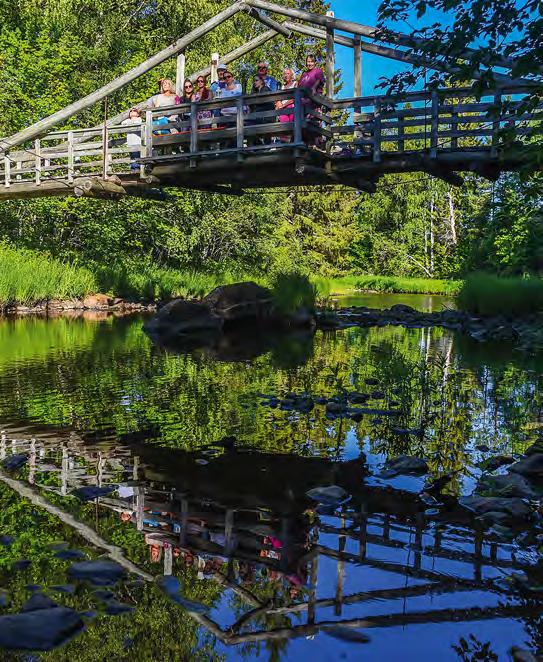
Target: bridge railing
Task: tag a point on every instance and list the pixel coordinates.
(372, 128)
(433, 122)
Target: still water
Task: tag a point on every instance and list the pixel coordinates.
(263, 571)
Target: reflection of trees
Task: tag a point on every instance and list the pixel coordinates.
(108, 378)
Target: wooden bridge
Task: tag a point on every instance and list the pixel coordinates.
(320, 140)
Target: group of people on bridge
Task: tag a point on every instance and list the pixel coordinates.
(226, 86)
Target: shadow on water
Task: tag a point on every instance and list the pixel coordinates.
(198, 479)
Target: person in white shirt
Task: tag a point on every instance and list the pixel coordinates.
(133, 138)
(232, 89)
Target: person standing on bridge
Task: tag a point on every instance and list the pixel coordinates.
(202, 94)
(133, 138)
(219, 85)
(289, 83)
(313, 81)
(232, 89)
(269, 81)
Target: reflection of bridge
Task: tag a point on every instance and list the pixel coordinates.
(426, 567)
(325, 141)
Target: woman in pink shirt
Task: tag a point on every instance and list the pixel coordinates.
(313, 81)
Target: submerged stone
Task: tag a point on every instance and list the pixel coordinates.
(22, 564)
(14, 462)
(6, 541)
(90, 492)
(41, 630)
(101, 572)
(531, 466)
(70, 554)
(171, 586)
(115, 608)
(333, 495)
(493, 463)
(508, 485)
(63, 588)
(39, 601)
(405, 464)
(513, 508)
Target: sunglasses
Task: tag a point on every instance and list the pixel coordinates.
(262, 68)
(200, 80)
(229, 77)
(188, 87)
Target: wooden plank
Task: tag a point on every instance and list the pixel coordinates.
(7, 172)
(377, 133)
(70, 157)
(180, 73)
(298, 115)
(357, 68)
(330, 56)
(44, 125)
(37, 152)
(435, 125)
(193, 128)
(240, 140)
(269, 22)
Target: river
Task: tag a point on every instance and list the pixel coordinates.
(271, 573)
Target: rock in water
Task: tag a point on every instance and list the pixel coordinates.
(183, 317)
(508, 485)
(531, 466)
(332, 495)
(405, 464)
(347, 634)
(493, 463)
(240, 301)
(14, 462)
(91, 492)
(513, 508)
(39, 601)
(41, 630)
(171, 586)
(100, 572)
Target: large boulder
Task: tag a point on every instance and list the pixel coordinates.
(530, 466)
(181, 317)
(240, 301)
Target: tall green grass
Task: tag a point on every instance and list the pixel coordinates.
(292, 291)
(28, 277)
(483, 294)
(326, 287)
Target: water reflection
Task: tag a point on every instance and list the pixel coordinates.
(282, 566)
(278, 575)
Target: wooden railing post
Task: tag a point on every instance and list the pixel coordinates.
(193, 132)
(298, 116)
(357, 71)
(401, 134)
(71, 157)
(496, 124)
(377, 131)
(7, 171)
(148, 139)
(435, 125)
(330, 56)
(180, 73)
(454, 129)
(37, 161)
(240, 125)
(105, 151)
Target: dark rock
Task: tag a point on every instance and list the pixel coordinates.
(377, 395)
(534, 449)
(70, 554)
(14, 462)
(401, 309)
(346, 634)
(101, 572)
(358, 398)
(41, 630)
(336, 408)
(6, 540)
(508, 485)
(405, 464)
(371, 381)
(90, 492)
(39, 601)
(118, 608)
(513, 508)
(104, 595)
(240, 301)
(63, 588)
(333, 495)
(493, 463)
(184, 317)
(404, 432)
(22, 564)
(483, 448)
(531, 466)
(4, 598)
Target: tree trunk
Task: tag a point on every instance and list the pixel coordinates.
(452, 218)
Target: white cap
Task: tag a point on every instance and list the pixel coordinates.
(222, 66)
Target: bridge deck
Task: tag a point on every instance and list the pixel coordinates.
(246, 142)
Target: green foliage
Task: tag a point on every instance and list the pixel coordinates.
(484, 294)
(292, 291)
(29, 277)
(406, 285)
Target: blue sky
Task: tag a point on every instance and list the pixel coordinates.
(373, 67)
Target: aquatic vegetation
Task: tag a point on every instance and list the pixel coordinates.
(484, 294)
(397, 284)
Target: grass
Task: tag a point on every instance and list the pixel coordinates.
(293, 291)
(346, 284)
(28, 277)
(484, 294)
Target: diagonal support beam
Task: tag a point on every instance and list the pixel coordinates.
(359, 29)
(269, 22)
(45, 125)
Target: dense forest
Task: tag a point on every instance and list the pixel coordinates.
(413, 225)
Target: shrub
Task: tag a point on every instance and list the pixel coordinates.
(483, 294)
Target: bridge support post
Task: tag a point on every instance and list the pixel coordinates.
(330, 56)
(435, 125)
(357, 70)
(180, 73)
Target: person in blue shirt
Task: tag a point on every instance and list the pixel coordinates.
(220, 84)
(269, 81)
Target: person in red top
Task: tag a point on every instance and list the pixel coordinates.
(313, 81)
